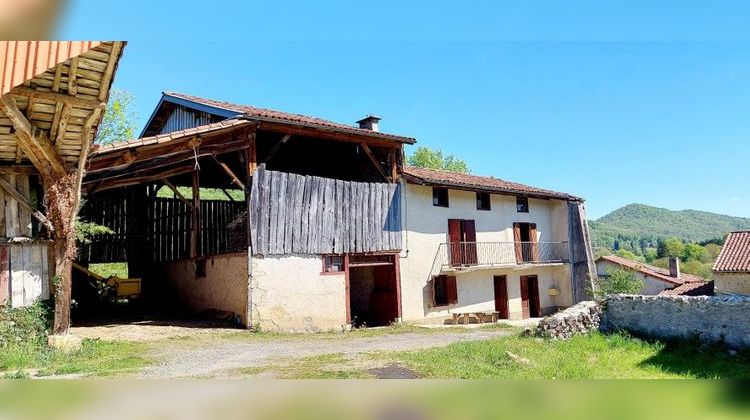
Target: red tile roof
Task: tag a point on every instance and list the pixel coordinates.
(735, 255)
(477, 183)
(693, 288)
(262, 113)
(651, 271)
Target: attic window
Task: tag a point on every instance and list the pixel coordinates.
(440, 197)
(522, 204)
(333, 264)
(483, 201)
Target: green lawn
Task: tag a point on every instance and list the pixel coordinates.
(590, 356)
(119, 269)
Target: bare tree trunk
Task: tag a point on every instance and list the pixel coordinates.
(63, 287)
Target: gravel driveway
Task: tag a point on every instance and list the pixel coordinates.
(219, 358)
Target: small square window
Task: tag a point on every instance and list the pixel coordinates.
(440, 197)
(333, 264)
(483, 201)
(522, 204)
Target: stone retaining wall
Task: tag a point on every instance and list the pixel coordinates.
(711, 319)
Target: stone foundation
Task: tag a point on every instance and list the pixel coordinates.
(580, 318)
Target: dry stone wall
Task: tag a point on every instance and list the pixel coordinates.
(578, 319)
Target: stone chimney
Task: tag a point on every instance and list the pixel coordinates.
(369, 122)
(674, 267)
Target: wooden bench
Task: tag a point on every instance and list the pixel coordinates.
(481, 317)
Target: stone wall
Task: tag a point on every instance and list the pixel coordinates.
(711, 319)
(579, 318)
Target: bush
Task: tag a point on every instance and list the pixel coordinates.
(618, 280)
(27, 325)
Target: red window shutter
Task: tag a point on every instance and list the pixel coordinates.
(470, 238)
(517, 240)
(532, 238)
(451, 289)
(454, 239)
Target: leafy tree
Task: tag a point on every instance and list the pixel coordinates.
(618, 280)
(695, 252)
(671, 248)
(624, 253)
(713, 251)
(426, 157)
(118, 122)
(697, 268)
(650, 254)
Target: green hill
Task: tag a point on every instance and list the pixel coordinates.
(642, 226)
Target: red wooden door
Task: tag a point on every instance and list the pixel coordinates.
(454, 241)
(518, 246)
(469, 238)
(501, 296)
(525, 313)
(535, 311)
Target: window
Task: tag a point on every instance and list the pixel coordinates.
(522, 204)
(483, 201)
(333, 264)
(444, 291)
(440, 197)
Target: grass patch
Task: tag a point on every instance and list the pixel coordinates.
(205, 193)
(119, 269)
(96, 358)
(396, 328)
(586, 356)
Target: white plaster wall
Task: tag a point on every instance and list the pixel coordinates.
(732, 283)
(426, 227)
(652, 286)
(290, 294)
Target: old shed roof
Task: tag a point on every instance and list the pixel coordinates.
(228, 110)
(652, 271)
(735, 255)
(693, 288)
(471, 182)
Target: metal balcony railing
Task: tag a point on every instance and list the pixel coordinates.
(487, 254)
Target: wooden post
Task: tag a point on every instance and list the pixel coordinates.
(196, 219)
(250, 165)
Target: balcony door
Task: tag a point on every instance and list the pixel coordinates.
(462, 242)
(524, 237)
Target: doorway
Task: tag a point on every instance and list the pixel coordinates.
(501, 297)
(530, 307)
(524, 237)
(373, 290)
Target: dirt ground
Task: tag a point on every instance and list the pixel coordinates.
(149, 330)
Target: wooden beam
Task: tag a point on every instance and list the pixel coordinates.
(58, 77)
(229, 172)
(393, 165)
(110, 70)
(229, 196)
(251, 157)
(23, 202)
(62, 125)
(72, 83)
(177, 192)
(331, 134)
(374, 161)
(18, 170)
(277, 146)
(34, 143)
(57, 97)
(196, 219)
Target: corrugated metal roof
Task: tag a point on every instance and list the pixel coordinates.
(22, 60)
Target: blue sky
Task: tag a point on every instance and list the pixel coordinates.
(626, 103)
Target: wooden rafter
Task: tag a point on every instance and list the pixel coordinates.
(177, 192)
(62, 124)
(23, 202)
(228, 170)
(110, 70)
(18, 170)
(72, 82)
(57, 97)
(374, 161)
(34, 143)
(278, 146)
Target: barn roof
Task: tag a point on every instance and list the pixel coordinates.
(230, 110)
(735, 255)
(471, 182)
(694, 288)
(652, 271)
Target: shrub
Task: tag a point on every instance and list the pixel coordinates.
(27, 325)
(618, 280)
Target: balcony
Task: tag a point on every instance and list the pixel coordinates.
(468, 255)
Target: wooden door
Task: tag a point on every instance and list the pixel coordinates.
(454, 241)
(535, 310)
(525, 313)
(533, 244)
(469, 238)
(518, 246)
(501, 296)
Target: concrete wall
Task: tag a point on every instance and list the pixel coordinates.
(426, 227)
(290, 294)
(708, 318)
(224, 287)
(732, 283)
(652, 286)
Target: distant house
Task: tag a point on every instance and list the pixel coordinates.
(732, 268)
(658, 281)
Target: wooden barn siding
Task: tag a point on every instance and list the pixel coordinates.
(310, 215)
(24, 273)
(182, 118)
(166, 228)
(15, 220)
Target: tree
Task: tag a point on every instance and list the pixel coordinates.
(118, 122)
(426, 157)
(618, 280)
(671, 248)
(695, 252)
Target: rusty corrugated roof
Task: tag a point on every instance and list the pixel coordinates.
(22, 60)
